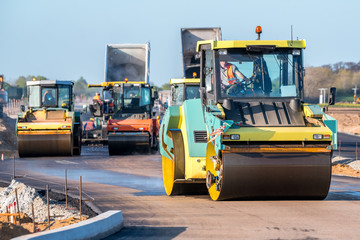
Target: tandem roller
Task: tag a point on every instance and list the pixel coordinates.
(248, 135)
(50, 126)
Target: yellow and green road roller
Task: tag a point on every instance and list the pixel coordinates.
(249, 135)
(49, 126)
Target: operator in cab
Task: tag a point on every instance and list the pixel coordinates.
(231, 77)
(48, 98)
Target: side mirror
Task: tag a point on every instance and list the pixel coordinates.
(202, 95)
(332, 96)
(22, 107)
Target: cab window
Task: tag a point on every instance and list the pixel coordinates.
(48, 96)
(177, 93)
(64, 96)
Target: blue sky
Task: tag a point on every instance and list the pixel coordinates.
(66, 39)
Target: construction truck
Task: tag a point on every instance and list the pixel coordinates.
(131, 124)
(49, 125)
(189, 39)
(249, 135)
(3, 95)
(132, 127)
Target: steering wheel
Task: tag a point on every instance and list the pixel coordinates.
(235, 89)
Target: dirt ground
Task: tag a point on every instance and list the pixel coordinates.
(348, 123)
(343, 169)
(9, 230)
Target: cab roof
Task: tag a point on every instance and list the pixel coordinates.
(184, 80)
(107, 84)
(49, 82)
(244, 44)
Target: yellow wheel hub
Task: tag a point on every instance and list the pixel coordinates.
(210, 167)
(168, 175)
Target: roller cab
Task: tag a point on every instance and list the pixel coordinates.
(49, 126)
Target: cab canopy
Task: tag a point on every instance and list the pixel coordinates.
(254, 69)
(50, 93)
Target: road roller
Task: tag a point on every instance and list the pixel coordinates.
(128, 98)
(49, 126)
(132, 127)
(259, 140)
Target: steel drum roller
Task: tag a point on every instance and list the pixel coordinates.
(120, 143)
(274, 176)
(45, 145)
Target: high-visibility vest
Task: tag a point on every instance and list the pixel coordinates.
(230, 74)
(96, 97)
(89, 126)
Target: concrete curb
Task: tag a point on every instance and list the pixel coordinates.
(97, 227)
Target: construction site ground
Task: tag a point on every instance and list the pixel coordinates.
(64, 217)
(136, 189)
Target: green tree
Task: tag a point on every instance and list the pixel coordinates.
(81, 87)
(315, 78)
(165, 86)
(20, 82)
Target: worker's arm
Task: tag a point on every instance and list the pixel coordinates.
(241, 76)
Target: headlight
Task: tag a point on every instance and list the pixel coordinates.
(234, 136)
(141, 129)
(226, 137)
(115, 128)
(317, 136)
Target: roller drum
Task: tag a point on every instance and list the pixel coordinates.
(275, 176)
(126, 142)
(45, 145)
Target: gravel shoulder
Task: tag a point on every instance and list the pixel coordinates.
(59, 215)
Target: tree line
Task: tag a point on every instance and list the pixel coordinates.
(80, 85)
(342, 75)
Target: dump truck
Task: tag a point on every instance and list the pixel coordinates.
(49, 126)
(249, 135)
(131, 124)
(189, 38)
(3, 95)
